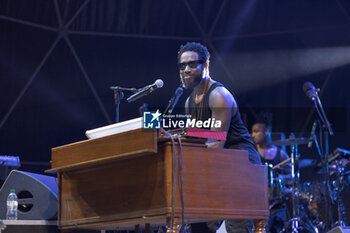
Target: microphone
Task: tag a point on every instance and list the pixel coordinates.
(310, 90)
(146, 90)
(312, 93)
(173, 101)
(312, 135)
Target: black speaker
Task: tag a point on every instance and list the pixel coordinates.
(340, 230)
(37, 195)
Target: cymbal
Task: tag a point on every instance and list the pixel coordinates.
(290, 141)
(302, 163)
(331, 169)
(307, 163)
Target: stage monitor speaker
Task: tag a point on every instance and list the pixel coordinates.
(37, 195)
(340, 230)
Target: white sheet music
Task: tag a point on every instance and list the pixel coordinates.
(115, 128)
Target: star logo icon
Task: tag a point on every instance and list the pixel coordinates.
(156, 115)
(152, 120)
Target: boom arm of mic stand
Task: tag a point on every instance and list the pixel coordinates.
(322, 114)
(134, 90)
(119, 95)
(314, 138)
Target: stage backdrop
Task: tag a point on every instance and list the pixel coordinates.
(58, 59)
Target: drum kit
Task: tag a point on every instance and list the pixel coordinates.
(301, 207)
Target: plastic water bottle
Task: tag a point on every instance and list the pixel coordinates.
(12, 205)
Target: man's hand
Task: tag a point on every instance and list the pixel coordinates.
(216, 144)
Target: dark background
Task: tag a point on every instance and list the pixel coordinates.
(58, 59)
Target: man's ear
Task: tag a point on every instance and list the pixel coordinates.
(267, 131)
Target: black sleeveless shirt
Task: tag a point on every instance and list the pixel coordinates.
(276, 160)
(238, 136)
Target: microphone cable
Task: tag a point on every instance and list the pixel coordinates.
(172, 217)
(181, 185)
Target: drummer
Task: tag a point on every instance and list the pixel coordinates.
(272, 155)
(261, 134)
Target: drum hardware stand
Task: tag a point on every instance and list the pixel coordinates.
(119, 95)
(295, 192)
(338, 187)
(296, 222)
(295, 219)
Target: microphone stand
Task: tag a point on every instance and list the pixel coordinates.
(119, 95)
(326, 130)
(167, 108)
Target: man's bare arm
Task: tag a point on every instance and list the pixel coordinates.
(223, 106)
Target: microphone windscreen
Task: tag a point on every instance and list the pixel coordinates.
(308, 86)
(179, 91)
(309, 89)
(159, 83)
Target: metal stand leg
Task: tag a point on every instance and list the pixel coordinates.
(260, 226)
(295, 192)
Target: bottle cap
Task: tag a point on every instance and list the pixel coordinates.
(12, 191)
